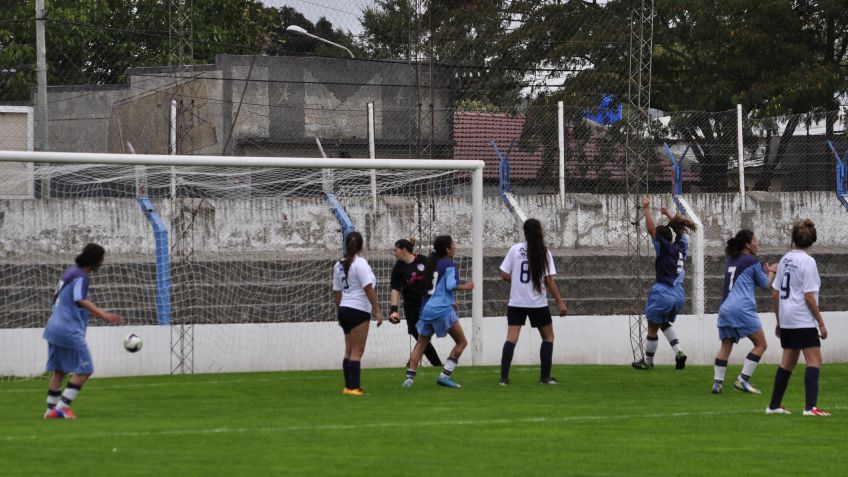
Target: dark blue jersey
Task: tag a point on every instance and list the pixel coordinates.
(670, 257)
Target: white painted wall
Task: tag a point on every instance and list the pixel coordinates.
(307, 346)
(33, 227)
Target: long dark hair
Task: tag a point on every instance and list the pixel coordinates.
(679, 224)
(804, 233)
(91, 256)
(441, 245)
(736, 245)
(537, 252)
(353, 246)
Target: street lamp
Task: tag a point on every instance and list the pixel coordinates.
(301, 31)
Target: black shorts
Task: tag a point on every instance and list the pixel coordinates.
(350, 318)
(799, 338)
(412, 314)
(539, 317)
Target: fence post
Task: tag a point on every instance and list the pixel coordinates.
(561, 134)
(741, 153)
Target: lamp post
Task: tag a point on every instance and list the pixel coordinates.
(301, 31)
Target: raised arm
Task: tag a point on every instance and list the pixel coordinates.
(649, 219)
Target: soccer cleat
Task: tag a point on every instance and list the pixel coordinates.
(53, 413)
(345, 391)
(717, 387)
(356, 392)
(504, 382)
(680, 360)
(816, 412)
(407, 383)
(746, 386)
(550, 380)
(641, 364)
(780, 410)
(447, 382)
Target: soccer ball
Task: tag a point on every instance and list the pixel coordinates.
(132, 343)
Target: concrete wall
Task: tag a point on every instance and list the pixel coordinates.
(302, 346)
(280, 225)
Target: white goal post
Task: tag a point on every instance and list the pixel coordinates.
(473, 169)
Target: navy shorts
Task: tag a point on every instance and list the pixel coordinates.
(350, 318)
(69, 360)
(539, 317)
(799, 338)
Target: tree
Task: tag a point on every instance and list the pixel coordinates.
(96, 41)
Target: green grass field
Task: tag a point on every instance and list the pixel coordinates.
(602, 420)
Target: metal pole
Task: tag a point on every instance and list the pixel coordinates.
(43, 139)
(172, 145)
(372, 153)
(477, 266)
(740, 151)
(561, 133)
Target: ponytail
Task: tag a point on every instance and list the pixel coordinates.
(537, 252)
(353, 246)
(441, 245)
(736, 244)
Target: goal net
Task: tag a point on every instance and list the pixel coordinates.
(221, 263)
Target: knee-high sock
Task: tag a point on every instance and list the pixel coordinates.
(671, 336)
(781, 380)
(506, 358)
(354, 369)
(546, 355)
(53, 398)
(346, 370)
(720, 370)
(751, 362)
(450, 365)
(811, 386)
(651, 345)
(68, 396)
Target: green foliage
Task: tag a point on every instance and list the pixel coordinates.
(602, 420)
(91, 42)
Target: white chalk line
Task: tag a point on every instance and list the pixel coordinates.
(379, 425)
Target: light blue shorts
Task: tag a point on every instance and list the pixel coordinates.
(736, 333)
(68, 360)
(663, 305)
(439, 326)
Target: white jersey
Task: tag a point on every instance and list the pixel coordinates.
(797, 274)
(521, 292)
(352, 287)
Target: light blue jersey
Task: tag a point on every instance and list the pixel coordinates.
(68, 321)
(738, 309)
(438, 302)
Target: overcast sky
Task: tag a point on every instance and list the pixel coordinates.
(344, 14)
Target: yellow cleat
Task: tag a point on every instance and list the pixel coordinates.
(355, 392)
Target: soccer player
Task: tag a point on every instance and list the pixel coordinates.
(795, 298)
(355, 298)
(67, 351)
(737, 315)
(406, 281)
(667, 296)
(439, 311)
(529, 269)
